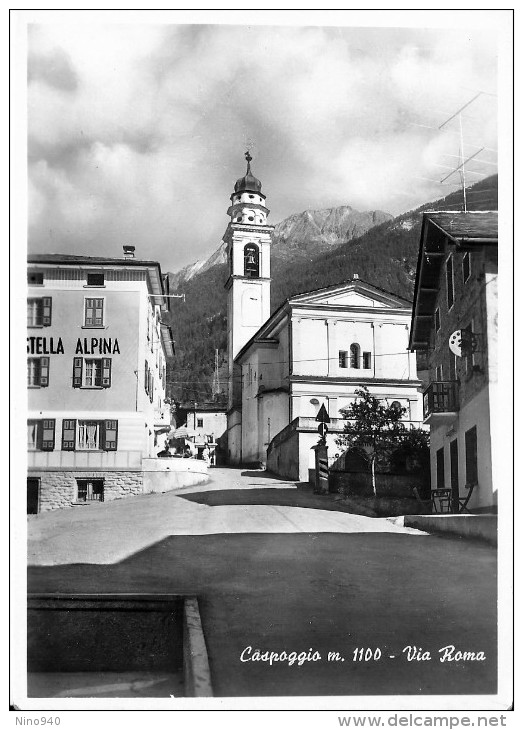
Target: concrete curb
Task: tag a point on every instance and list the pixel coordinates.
(475, 527)
(196, 670)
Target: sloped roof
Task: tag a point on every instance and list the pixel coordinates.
(65, 258)
(350, 284)
(478, 224)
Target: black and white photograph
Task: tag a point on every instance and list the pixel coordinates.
(268, 463)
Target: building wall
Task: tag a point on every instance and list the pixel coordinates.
(475, 302)
(313, 356)
(474, 413)
(128, 336)
(122, 313)
(58, 489)
(214, 423)
(318, 338)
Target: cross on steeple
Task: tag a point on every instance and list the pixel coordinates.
(248, 158)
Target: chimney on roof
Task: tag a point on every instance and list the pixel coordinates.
(355, 276)
(128, 252)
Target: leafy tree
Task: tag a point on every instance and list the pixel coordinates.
(372, 428)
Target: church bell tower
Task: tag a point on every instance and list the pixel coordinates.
(248, 242)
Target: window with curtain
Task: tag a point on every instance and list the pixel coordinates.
(88, 436)
(93, 372)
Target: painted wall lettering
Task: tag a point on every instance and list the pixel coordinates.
(44, 346)
(97, 346)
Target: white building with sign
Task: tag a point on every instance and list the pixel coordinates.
(96, 367)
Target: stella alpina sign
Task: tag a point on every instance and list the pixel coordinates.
(84, 346)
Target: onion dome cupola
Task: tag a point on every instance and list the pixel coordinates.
(247, 201)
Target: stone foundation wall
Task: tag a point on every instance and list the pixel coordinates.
(59, 489)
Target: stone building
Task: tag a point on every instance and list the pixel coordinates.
(454, 321)
(96, 357)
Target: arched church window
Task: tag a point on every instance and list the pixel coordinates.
(354, 355)
(251, 258)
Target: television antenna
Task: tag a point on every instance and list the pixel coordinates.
(460, 169)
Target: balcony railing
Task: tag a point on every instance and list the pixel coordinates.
(440, 398)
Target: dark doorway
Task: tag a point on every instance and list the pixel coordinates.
(33, 495)
(454, 475)
(90, 490)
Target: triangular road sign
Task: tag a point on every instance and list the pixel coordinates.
(323, 416)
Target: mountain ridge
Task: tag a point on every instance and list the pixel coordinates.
(297, 235)
(384, 255)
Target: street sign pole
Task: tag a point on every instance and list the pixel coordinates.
(321, 461)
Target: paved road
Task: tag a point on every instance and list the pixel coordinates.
(241, 501)
(280, 569)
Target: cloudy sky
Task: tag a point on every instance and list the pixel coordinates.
(137, 131)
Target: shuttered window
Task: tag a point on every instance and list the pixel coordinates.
(89, 435)
(466, 266)
(440, 468)
(68, 434)
(39, 311)
(106, 372)
(471, 455)
(48, 425)
(77, 372)
(110, 435)
(450, 282)
(94, 312)
(92, 372)
(40, 434)
(37, 372)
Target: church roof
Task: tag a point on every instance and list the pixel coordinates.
(356, 283)
(248, 182)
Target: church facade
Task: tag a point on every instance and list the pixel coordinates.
(317, 349)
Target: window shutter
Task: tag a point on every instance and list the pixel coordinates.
(146, 378)
(44, 372)
(47, 307)
(77, 372)
(151, 387)
(106, 372)
(68, 434)
(48, 427)
(110, 435)
(39, 435)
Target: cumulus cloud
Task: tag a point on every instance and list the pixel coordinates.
(136, 133)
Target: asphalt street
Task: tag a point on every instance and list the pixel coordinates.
(279, 569)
